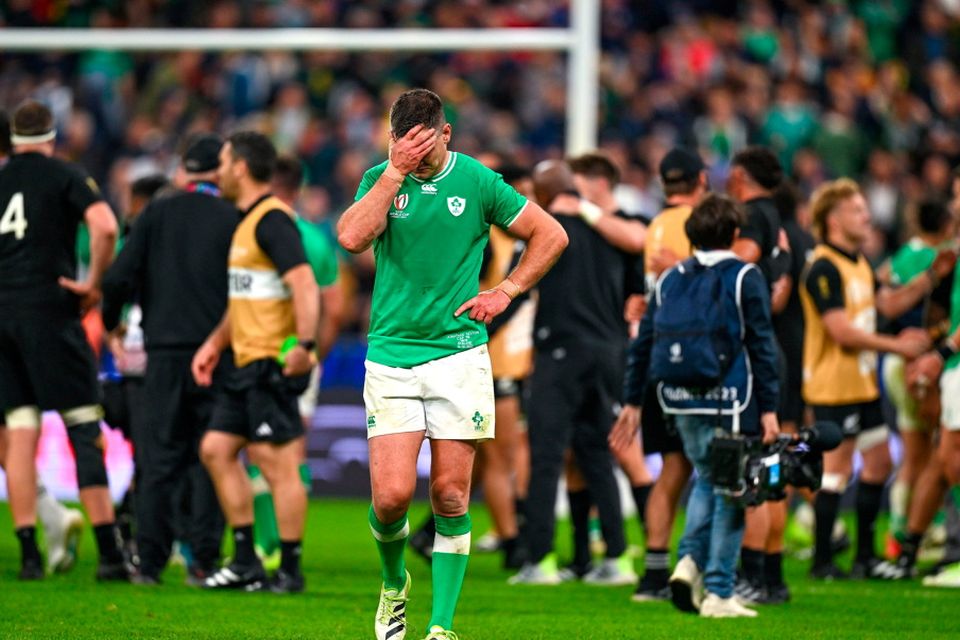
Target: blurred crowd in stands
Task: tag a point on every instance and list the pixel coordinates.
(863, 88)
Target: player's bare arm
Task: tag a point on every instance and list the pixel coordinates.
(103, 238)
(306, 309)
(892, 302)
(545, 240)
(909, 343)
(627, 235)
(367, 218)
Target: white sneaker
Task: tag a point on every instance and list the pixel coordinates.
(612, 572)
(716, 607)
(544, 573)
(487, 543)
(391, 620)
(63, 540)
(949, 577)
(686, 585)
(439, 633)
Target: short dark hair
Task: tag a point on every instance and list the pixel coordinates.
(932, 216)
(513, 173)
(682, 187)
(596, 165)
(6, 148)
(761, 165)
(786, 198)
(32, 118)
(413, 107)
(147, 186)
(257, 151)
(288, 173)
(714, 222)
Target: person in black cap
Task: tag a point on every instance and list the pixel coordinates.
(174, 265)
(684, 180)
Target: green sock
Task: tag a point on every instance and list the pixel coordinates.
(266, 536)
(451, 550)
(391, 540)
(899, 503)
(305, 477)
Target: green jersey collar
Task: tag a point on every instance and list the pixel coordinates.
(447, 168)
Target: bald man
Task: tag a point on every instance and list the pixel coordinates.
(580, 338)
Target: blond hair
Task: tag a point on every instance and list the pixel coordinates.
(826, 198)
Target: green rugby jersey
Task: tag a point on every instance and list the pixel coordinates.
(911, 259)
(954, 360)
(320, 252)
(428, 260)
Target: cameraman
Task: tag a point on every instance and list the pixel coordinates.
(714, 528)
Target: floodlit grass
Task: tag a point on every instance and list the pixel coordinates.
(342, 573)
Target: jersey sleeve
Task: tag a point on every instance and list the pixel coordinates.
(369, 179)
(279, 238)
(825, 286)
(503, 202)
(757, 229)
(81, 192)
(320, 253)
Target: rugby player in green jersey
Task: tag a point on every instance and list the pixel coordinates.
(427, 212)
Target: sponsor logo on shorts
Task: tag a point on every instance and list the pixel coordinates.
(264, 430)
(371, 422)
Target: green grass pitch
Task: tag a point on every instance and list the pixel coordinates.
(342, 573)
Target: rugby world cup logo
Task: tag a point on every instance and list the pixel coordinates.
(400, 202)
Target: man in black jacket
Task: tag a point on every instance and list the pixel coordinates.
(174, 263)
(579, 341)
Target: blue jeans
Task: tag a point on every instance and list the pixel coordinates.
(714, 527)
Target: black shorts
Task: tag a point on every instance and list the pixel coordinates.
(507, 387)
(658, 432)
(853, 419)
(258, 403)
(45, 361)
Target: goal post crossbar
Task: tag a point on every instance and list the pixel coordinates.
(580, 42)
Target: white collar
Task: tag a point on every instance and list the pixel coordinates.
(710, 258)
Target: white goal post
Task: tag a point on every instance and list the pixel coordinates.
(581, 41)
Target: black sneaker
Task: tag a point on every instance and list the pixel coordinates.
(113, 572)
(877, 569)
(749, 592)
(31, 570)
(422, 543)
(648, 591)
(779, 594)
(283, 582)
(827, 572)
(237, 576)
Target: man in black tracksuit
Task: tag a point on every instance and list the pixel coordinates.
(175, 263)
(580, 339)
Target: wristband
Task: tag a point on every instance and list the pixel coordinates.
(946, 350)
(516, 293)
(398, 179)
(590, 212)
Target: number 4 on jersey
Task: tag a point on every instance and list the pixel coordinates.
(14, 221)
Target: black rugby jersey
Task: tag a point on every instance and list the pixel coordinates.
(42, 202)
